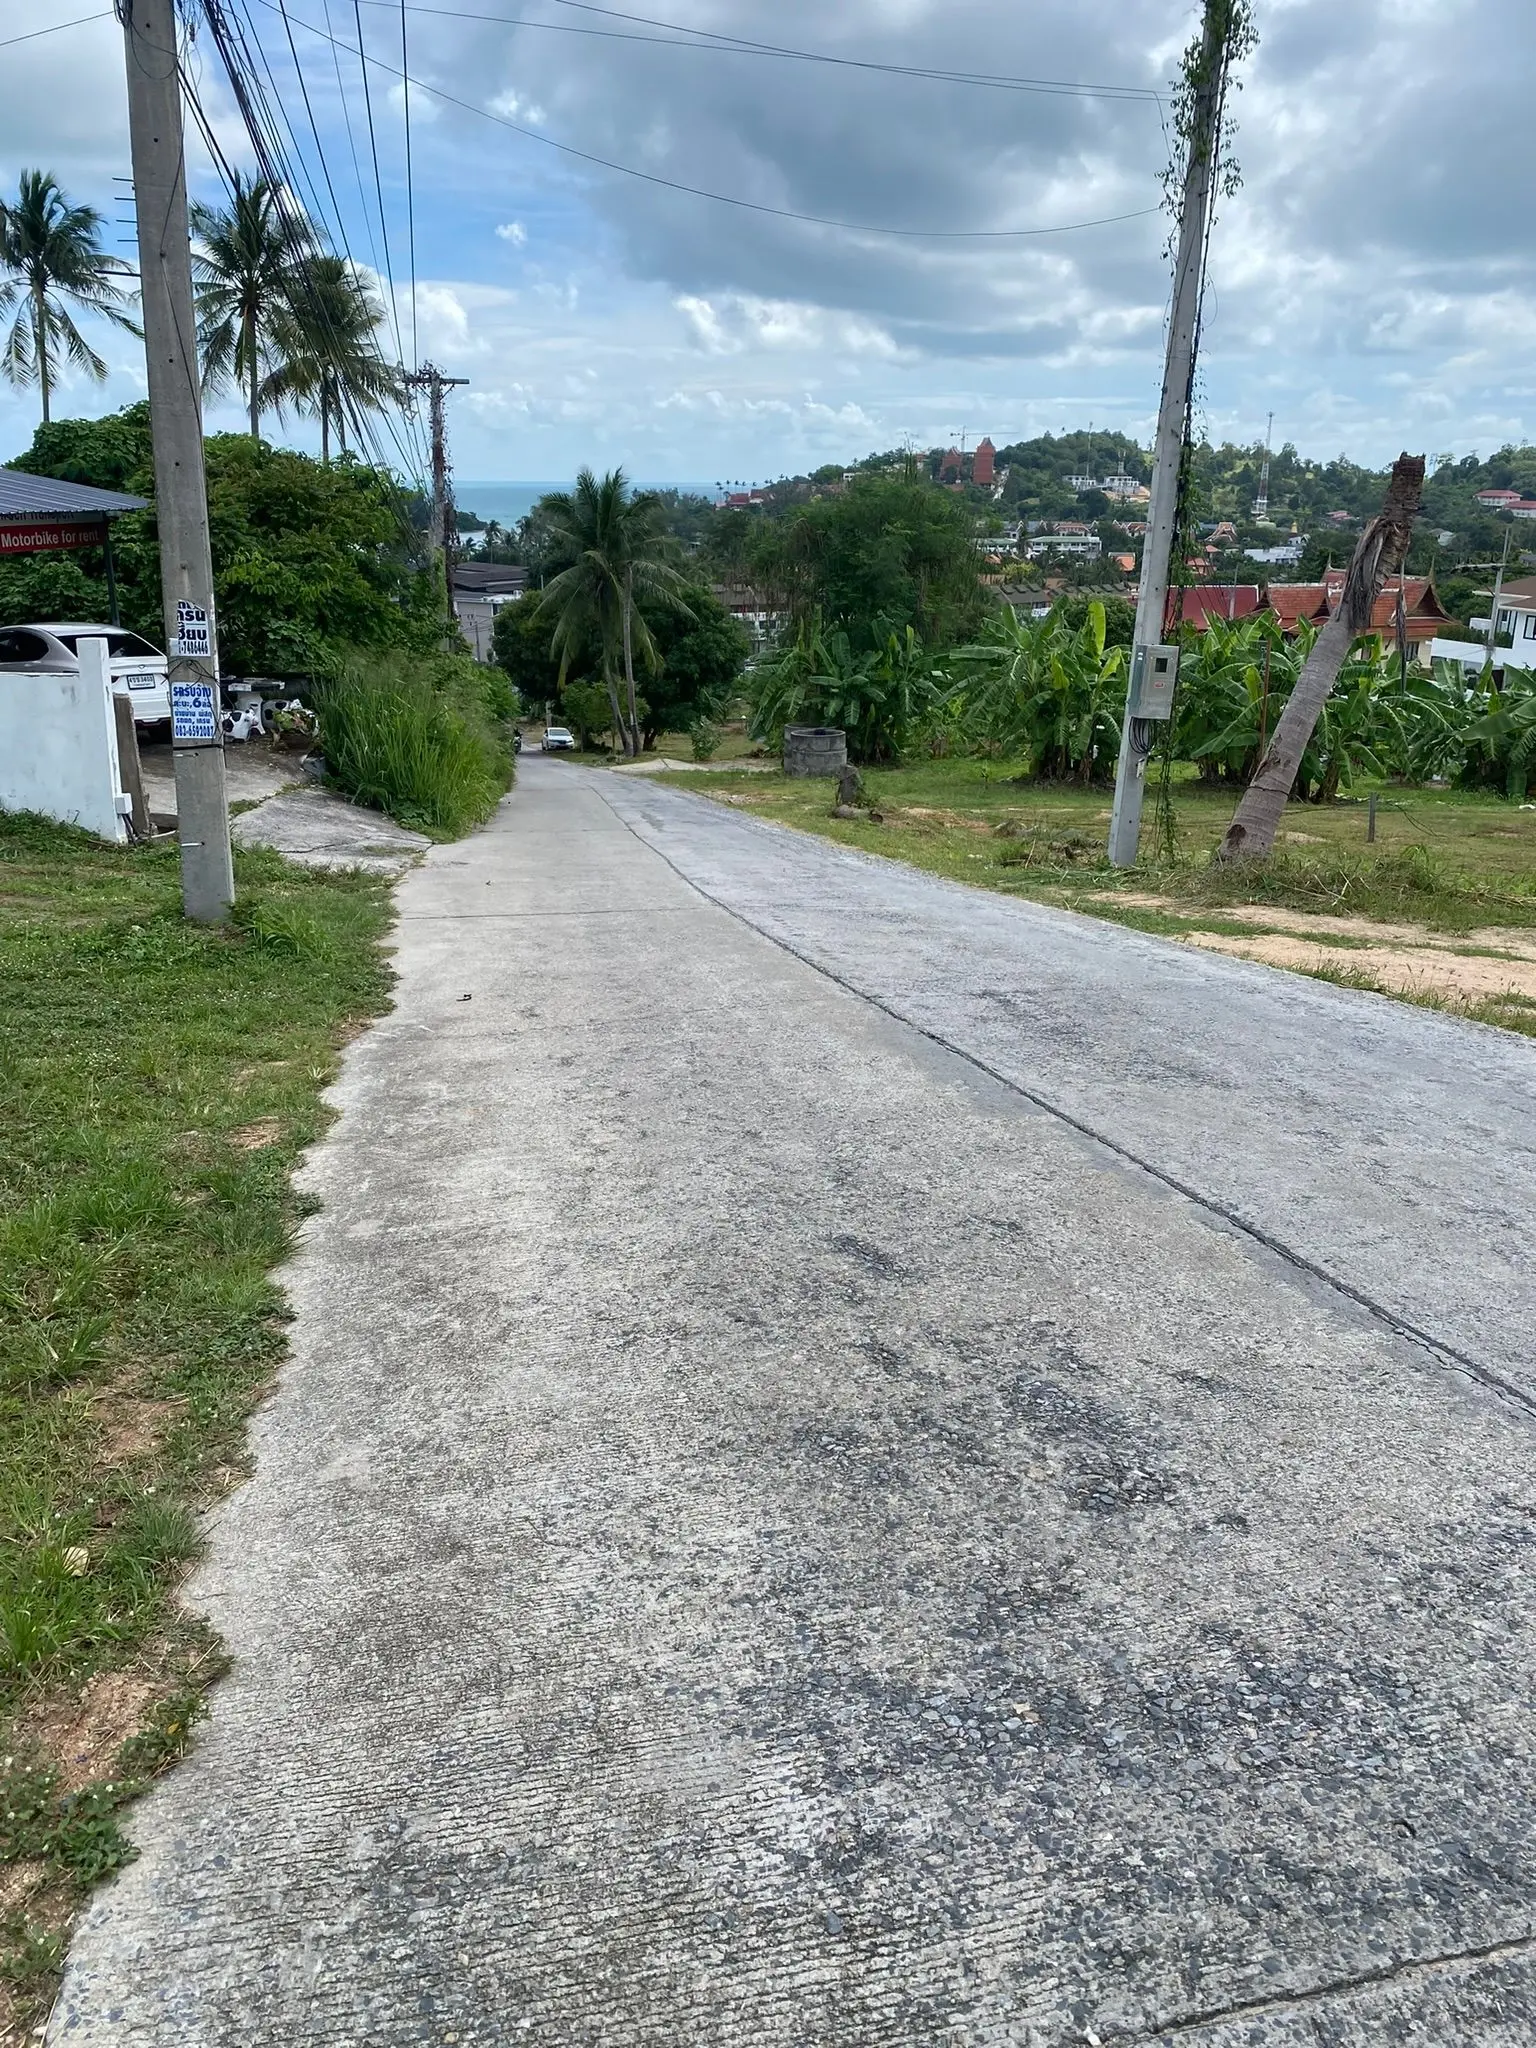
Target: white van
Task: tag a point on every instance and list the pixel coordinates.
(136, 670)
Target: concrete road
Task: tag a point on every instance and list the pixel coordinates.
(770, 1536)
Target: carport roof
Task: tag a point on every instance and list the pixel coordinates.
(32, 497)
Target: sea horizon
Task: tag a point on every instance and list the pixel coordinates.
(508, 499)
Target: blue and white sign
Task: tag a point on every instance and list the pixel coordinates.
(194, 716)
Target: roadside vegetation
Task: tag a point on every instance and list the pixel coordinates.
(426, 738)
(158, 1081)
(1440, 909)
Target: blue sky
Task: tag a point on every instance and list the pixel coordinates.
(1373, 283)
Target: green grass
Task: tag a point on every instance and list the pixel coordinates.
(418, 738)
(158, 1081)
(1441, 859)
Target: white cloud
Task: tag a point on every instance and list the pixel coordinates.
(514, 232)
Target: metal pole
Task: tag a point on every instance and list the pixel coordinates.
(106, 549)
(176, 424)
(1178, 370)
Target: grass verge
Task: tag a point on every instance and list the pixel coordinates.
(1442, 862)
(426, 739)
(158, 1081)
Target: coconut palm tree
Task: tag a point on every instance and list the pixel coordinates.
(52, 252)
(613, 552)
(243, 271)
(322, 336)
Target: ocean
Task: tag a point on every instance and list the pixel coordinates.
(510, 502)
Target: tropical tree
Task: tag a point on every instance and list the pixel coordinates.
(243, 272)
(51, 257)
(613, 555)
(879, 697)
(1042, 689)
(323, 339)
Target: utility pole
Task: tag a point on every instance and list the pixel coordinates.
(176, 425)
(1498, 592)
(1136, 738)
(441, 534)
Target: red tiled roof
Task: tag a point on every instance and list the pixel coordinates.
(1293, 601)
(1203, 602)
(1422, 608)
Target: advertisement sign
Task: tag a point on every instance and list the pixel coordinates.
(194, 715)
(194, 632)
(43, 536)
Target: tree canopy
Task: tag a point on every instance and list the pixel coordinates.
(888, 553)
(307, 556)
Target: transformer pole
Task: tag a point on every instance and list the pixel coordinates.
(442, 532)
(176, 426)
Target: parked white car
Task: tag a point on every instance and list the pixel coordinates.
(136, 670)
(557, 740)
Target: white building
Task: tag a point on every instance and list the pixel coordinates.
(1087, 544)
(1515, 621)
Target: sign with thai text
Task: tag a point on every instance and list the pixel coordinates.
(194, 633)
(194, 715)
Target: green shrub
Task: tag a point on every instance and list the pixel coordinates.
(705, 736)
(418, 736)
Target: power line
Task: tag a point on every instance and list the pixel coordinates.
(410, 192)
(32, 34)
(744, 46)
(272, 157)
(725, 198)
(373, 145)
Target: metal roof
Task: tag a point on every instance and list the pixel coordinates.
(46, 497)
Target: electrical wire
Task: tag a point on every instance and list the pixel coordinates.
(273, 158)
(341, 226)
(727, 199)
(32, 34)
(410, 190)
(378, 183)
(743, 46)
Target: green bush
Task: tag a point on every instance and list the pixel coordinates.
(417, 736)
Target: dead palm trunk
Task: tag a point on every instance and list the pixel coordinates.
(1380, 554)
(632, 731)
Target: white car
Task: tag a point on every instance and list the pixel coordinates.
(136, 670)
(557, 740)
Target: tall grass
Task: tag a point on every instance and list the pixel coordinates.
(422, 737)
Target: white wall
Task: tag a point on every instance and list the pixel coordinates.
(58, 746)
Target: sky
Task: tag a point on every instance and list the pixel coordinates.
(1372, 283)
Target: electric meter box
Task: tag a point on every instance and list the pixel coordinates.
(1154, 671)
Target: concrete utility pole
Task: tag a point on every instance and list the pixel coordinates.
(176, 424)
(442, 532)
(1136, 737)
(1493, 609)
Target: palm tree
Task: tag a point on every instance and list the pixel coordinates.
(322, 341)
(243, 271)
(614, 552)
(53, 252)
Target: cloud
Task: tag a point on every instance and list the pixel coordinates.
(1374, 280)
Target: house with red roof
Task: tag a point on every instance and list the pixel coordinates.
(1423, 613)
(1497, 496)
(984, 464)
(1202, 602)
